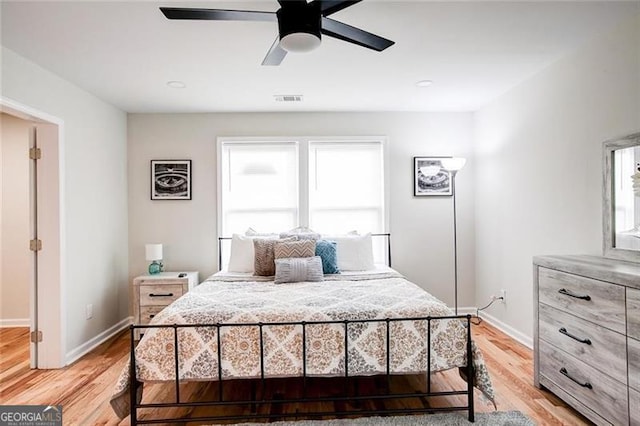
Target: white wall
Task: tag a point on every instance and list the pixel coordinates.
(539, 165)
(14, 222)
(421, 228)
(94, 195)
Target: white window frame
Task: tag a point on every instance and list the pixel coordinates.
(303, 143)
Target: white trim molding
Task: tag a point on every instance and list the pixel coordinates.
(508, 330)
(14, 322)
(77, 353)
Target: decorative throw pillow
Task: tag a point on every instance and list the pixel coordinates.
(241, 258)
(264, 255)
(327, 252)
(301, 248)
(302, 233)
(298, 269)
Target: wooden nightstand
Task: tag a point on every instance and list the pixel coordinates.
(151, 293)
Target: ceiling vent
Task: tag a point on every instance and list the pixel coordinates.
(288, 98)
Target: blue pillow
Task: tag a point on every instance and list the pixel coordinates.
(327, 252)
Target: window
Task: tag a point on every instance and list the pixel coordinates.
(332, 185)
(346, 186)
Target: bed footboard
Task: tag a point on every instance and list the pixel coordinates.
(258, 399)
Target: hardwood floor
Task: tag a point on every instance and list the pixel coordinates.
(84, 388)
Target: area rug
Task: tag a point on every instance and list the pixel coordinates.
(496, 418)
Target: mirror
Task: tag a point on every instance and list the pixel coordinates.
(621, 205)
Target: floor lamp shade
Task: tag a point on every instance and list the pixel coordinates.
(453, 164)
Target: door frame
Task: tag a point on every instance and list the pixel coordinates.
(50, 266)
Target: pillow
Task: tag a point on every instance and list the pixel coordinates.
(242, 253)
(354, 252)
(263, 262)
(297, 269)
(327, 252)
(301, 248)
(302, 233)
(250, 232)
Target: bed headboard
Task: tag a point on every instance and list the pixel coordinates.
(386, 236)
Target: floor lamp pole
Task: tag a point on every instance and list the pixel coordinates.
(455, 240)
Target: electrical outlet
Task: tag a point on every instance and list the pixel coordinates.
(503, 294)
(89, 311)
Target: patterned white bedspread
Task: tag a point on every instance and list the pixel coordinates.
(234, 300)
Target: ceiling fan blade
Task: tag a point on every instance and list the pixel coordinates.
(217, 14)
(354, 35)
(329, 7)
(275, 55)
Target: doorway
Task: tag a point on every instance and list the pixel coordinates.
(36, 206)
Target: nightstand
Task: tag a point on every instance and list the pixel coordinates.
(151, 293)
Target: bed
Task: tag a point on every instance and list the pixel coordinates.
(239, 326)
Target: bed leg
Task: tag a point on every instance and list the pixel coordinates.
(133, 380)
(254, 406)
(470, 372)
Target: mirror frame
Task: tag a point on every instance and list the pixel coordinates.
(607, 199)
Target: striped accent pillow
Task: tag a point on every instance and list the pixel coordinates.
(298, 269)
(302, 248)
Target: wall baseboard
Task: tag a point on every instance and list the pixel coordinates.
(15, 322)
(508, 330)
(77, 353)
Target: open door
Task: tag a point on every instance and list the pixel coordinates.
(45, 237)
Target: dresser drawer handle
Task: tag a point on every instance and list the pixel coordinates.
(566, 373)
(570, 294)
(151, 316)
(566, 333)
(161, 295)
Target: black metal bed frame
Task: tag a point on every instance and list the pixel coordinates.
(256, 401)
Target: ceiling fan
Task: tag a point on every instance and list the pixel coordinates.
(300, 25)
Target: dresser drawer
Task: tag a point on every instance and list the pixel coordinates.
(634, 407)
(605, 396)
(594, 345)
(593, 300)
(159, 295)
(148, 312)
(634, 363)
(633, 313)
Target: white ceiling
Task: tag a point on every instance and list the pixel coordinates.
(125, 52)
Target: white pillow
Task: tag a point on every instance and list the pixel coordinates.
(354, 252)
(242, 254)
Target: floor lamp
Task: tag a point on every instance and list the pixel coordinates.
(453, 166)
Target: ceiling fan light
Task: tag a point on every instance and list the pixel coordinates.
(299, 42)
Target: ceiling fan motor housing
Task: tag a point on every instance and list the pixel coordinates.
(299, 25)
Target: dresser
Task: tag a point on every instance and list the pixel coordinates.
(587, 335)
(151, 293)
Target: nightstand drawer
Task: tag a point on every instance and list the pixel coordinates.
(593, 300)
(594, 389)
(597, 346)
(160, 294)
(148, 312)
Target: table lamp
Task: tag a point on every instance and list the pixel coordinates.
(153, 252)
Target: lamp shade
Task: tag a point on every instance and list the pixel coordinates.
(153, 251)
(453, 164)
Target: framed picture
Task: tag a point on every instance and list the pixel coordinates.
(429, 178)
(170, 179)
